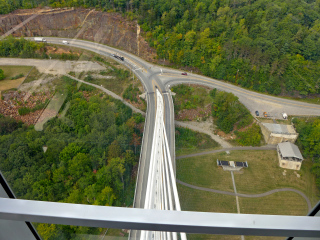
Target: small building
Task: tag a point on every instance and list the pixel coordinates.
(276, 133)
(289, 156)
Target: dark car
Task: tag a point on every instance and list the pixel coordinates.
(257, 113)
(184, 73)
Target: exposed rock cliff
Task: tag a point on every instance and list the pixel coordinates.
(108, 28)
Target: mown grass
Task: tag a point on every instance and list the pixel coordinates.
(201, 201)
(202, 171)
(12, 71)
(281, 203)
(262, 175)
(188, 141)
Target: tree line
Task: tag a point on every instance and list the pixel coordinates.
(271, 47)
(23, 48)
(86, 157)
(309, 142)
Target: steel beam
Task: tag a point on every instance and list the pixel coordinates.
(158, 220)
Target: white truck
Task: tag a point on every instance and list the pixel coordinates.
(40, 39)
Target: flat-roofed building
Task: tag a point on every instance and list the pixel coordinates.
(289, 156)
(277, 133)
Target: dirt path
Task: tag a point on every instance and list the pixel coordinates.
(54, 66)
(249, 195)
(216, 138)
(267, 147)
(112, 94)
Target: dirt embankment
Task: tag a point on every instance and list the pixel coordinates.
(107, 28)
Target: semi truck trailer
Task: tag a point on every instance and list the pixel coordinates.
(40, 39)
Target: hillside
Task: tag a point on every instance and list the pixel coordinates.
(107, 28)
(266, 46)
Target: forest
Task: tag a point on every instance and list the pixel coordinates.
(266, 46)
(86, 157)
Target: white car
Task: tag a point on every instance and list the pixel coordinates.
(65, 42)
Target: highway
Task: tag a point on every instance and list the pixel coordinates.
(156, 77)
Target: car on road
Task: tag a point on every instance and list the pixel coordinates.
(184, 73)
(257, 113)
(285, 116)
(65, 42)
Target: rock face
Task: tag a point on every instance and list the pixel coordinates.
(107, 28)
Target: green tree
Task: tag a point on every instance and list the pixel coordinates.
(1, 74)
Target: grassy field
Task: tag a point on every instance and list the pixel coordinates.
(10, 72)
(294, 204)
(262, 175)
(200, 201)
(188, 142)
(202, 171)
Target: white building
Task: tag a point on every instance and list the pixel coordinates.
(289, 156)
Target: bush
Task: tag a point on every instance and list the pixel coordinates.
(131, 93)
(24, 111)
(17, 76)
(228, 110)
(86, 87)
(251, 137)
(1, 74)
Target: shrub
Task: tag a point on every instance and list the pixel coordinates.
(1, 74)
(251, 137)
(23, 111)
(17, 76)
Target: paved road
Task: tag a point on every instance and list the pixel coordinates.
(151, 77)
(252, 100)
(267, 147)
(249, 195)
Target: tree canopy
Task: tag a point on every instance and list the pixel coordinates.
(1, 74)
(267, 46)
(89, 158)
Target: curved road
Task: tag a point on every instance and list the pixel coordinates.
(249, 195)
(153, 77)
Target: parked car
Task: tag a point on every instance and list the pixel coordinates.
(284, 115)
(257, 113)
(184, 73)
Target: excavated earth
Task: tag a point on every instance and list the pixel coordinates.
(107, 28)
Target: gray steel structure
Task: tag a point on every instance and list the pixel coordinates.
(158, 220)
(12, 229)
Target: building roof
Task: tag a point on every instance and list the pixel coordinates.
(288, 149)
(280, 128)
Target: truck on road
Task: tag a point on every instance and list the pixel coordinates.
(40, 39)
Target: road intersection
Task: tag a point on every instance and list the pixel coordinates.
(156, 77)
